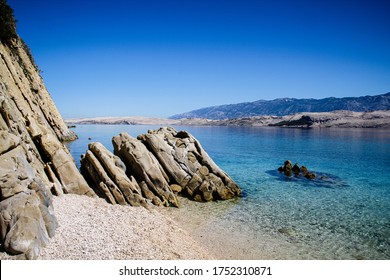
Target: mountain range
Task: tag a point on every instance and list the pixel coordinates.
(287, 106)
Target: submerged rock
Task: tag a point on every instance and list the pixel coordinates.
(288, 169)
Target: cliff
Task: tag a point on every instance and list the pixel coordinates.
(34, 164)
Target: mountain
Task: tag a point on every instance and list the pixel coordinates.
(287, 106)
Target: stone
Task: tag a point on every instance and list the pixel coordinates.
(176, 188)
(63, 163)
(8, 141)
(296, 169)
(15, 173)
(310, 175)
(106, 187)
(23, 228)
(188, 165)
(56, 188)
(109, 174)
(144, 166)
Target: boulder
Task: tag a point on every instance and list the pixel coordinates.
(108, 176)
(189, 166)
(144, 166)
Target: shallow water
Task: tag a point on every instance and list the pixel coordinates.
(344, 215)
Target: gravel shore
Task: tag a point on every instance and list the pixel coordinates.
(92, 229)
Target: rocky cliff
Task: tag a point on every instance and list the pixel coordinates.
(34, 164)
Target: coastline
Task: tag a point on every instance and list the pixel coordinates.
(342, 119)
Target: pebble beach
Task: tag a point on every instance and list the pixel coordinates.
(91, 229)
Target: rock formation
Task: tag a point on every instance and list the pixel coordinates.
(189, 166)
(141, 163)
(159, 165)
(34, 164)
(288, 169)
(107, 175)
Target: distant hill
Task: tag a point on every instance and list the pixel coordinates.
(287, 106)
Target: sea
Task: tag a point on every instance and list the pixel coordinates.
(342, 214)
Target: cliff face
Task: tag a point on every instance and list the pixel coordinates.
(34, 164)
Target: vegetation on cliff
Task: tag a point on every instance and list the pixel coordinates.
(7, 22)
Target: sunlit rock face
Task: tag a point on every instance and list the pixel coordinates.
(34, 164)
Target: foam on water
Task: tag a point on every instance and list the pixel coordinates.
(345, 216)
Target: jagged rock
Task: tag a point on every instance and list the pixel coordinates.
(56, 188)
(188, 165)
(102, 183)
(144, 166)
(64, 165)
(108, 175)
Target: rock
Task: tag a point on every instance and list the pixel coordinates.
(56, 188)
(108, 174)
(310, 175)
(303, 169)
(34, 163)
(288, 170)
(15, 173)
(64, 165)
(296, 169)
(188, 165)
(144, 167)
(102, 183)
(23, 228)
(176, 188)
(8, 141)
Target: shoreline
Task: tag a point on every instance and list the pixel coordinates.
(92, 229)
(340, 119)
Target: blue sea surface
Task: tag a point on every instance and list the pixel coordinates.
(344, 213)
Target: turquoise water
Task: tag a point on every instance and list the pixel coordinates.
(345, 215)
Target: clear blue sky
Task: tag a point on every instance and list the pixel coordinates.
(159, 58)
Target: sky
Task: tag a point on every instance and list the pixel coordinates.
(159, 58)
